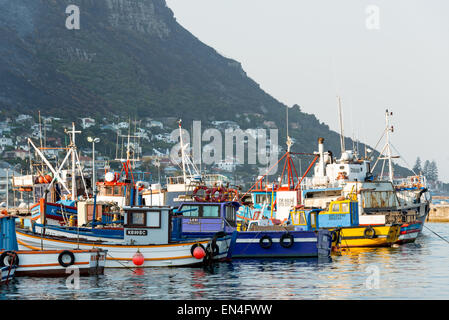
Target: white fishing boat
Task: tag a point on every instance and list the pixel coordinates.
(182, 188)
(146, 241)
(381, 200)
(53, 263)
(36, 262)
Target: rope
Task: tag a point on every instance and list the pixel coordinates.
(436, 234)
(116, 259)
(11, 265)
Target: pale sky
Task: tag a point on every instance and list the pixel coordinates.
(306, 52)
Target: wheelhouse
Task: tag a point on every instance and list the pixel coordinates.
(206, 217)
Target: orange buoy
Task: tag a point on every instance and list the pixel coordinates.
(48, 178)
(199, 253)
(41, 179)
(138, 258)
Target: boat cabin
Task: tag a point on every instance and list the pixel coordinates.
(341, 213)
(147, 225)
(195, 218)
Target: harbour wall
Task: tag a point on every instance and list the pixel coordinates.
(438, 213)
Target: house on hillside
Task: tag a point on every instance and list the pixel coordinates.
(87, 122)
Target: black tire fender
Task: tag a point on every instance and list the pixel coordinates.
(10, 255)
(264, 244)
(369, 232)
(287, 236)
(66, 253)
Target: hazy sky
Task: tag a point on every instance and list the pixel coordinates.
(375, 54)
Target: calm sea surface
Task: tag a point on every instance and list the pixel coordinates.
(412, 271)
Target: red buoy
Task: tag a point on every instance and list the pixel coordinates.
(199, 253)
(138, 259)
(48, 178)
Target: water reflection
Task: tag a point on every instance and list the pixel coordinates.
(411, 271)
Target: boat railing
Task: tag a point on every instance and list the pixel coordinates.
(418, 181)
(309, 183)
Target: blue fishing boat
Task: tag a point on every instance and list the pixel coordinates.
(263, 240)
(8, 243)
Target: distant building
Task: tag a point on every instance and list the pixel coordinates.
(15, 154)
(123, 125)
(87, 122)
(154, 123)
(4, 142)
(23, 118)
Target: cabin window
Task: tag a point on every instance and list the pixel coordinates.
(302, 218)
(263, 198)
(295, 217)
(108, 191)
(154, 219)
(313, 219)
(117, 191)
(230, 215)
(136, 219)
(345, 207)
(336, 207)
(193, 213)
(211, 211)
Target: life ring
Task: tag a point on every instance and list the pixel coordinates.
(289, 243)
(369, 232)
(63, 256)
(221, 194)
(201, 199)
(196, 245)
(265, 244)
(8, 257)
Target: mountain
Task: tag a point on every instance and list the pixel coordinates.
(131, 58)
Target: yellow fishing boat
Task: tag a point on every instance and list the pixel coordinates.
(342, 216)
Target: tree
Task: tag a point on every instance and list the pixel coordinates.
(417, 167)
(432, 172)
(425, 170)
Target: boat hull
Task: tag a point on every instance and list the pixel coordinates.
(7, 274)
(252, 244)
(384, 236)
(37, 263)
(120, 255)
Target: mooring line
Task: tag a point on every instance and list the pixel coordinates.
(436, 233)
(126, 267)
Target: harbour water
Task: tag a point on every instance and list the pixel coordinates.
(413, 271)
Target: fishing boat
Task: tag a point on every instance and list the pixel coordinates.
(145, 240)
(189, 186)
(7, 242)
(343, 215)
(381, 200)
(260, 241)
(35, 262)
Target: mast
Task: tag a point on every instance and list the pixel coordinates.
(389, 156)
(342, 138)
(73, 148)
(182, 151)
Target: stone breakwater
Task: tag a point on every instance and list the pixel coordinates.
(439, 213)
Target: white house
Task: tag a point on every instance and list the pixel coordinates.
(87, 122)
(154, 123)
(123, 125)
(23, 117)
(4, 141)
